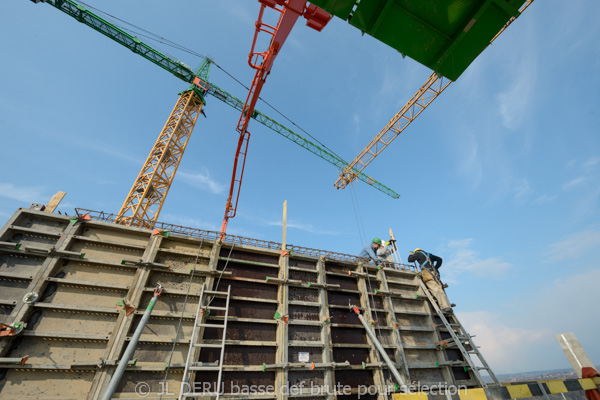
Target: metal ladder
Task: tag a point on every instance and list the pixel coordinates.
(470, 347)
(187, 388)
(461, 339)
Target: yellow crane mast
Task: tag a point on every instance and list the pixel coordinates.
(434, 86)
(146, 197)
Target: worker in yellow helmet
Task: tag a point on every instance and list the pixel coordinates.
(429, 264)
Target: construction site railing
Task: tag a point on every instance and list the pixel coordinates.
(241, 240)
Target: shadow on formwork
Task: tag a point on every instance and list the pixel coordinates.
(73, 290)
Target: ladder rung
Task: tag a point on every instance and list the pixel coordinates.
(213, 293)
(211, 325)
(217, 308)
(208, 345)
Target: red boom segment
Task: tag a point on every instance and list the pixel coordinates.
(290, 11)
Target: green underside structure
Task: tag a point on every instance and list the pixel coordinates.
(444, 35)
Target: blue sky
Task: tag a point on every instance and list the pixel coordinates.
(499, 176)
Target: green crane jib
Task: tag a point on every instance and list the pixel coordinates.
(186, 73)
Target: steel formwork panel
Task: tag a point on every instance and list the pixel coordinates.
(75, 334)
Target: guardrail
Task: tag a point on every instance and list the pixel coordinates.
(241, 240)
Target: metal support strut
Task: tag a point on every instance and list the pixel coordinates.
(381, 350)
(116, 378)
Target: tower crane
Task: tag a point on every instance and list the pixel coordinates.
(432, 88)
(144, 202)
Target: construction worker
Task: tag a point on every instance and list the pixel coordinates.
(384, 253)
(430, 265)
(370, 250)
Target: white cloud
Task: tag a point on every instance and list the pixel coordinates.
(587, 204)
(31, 194)
(356, 122)
(515, 102)
(573, 39)
(291, 224)
(588, 167)
(215, 226)
(470, 162)
(568, 304)
(202, 181)
(505, 348)
(113, 153)
(545, 198)
(591, 162)
(190, 222)
(587, 186)
(575, 246)
(575, 182)
(310, 228)
(242, 14)
(393, 85)
(522, 189)
(522, 339)
(463, 259)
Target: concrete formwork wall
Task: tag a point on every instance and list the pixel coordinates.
(75, 334)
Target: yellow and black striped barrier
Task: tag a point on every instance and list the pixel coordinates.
(508, 391)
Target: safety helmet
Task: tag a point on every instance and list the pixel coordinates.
(417, 249)
(377, 240)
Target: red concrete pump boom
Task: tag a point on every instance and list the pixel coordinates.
(290, 11)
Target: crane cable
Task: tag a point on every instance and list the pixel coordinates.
(357, 214)
(147, 34)
(361, 237)
(370, 295)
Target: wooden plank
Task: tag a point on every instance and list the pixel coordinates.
(55, 201)
(281, 376)
(284, 225)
